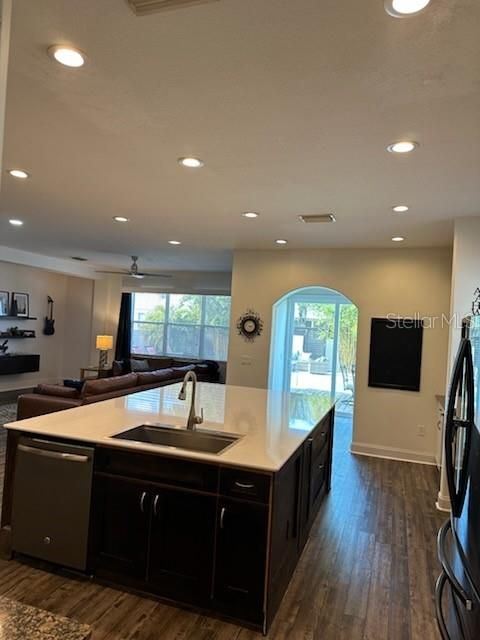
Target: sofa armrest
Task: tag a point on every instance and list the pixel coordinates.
(31, 405)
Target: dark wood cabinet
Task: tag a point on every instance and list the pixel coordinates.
(224, 539)
(240, 562)
(121, 521)
(14, 363)
(181, 545)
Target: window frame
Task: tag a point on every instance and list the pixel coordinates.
(166, 323)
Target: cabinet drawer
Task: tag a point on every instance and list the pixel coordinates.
(318, 474)
(240, 483)
(320, 437)
(159, 469)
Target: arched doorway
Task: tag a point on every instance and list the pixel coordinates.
(314, 345)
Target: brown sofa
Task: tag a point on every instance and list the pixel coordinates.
(48, 398)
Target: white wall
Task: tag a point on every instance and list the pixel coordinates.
(400, 281)
(465, 280)
(72, 322)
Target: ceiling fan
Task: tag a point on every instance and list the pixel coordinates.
(135, 273)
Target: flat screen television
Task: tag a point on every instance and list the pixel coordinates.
(395, 353)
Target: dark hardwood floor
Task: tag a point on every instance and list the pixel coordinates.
(367, 572)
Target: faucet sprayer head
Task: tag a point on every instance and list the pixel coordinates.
(183, 394)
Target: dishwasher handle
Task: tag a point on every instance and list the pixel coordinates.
(58, 455)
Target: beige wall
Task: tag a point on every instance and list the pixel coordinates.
(64, 352)
(379, 282)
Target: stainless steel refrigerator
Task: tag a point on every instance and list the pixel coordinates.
(457, 593)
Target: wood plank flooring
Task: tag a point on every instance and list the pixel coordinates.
(367, 572)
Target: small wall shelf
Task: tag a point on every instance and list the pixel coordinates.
(17, 318)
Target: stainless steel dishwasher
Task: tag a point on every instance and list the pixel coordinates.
(51, 501)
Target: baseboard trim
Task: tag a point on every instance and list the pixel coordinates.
(391, 453)
(443, 503)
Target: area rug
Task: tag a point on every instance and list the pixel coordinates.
(8, 413)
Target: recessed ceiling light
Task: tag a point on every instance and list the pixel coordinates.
(68, 56)
(405, 8)
(404, 146)
(15, 222)
(281, 241)
(174, 242)
(250, 214)
(121, 219)
(19, 173)
(191, 163)
(400, 208)
(398, 239)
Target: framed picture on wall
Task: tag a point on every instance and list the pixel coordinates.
(20, 304)
(4, 303)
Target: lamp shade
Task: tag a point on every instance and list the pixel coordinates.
(104, 343)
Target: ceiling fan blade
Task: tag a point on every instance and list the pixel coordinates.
(154, 275)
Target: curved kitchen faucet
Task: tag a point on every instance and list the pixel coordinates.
(193, 419)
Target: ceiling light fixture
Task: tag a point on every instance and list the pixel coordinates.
(121, 219)
(174, 242)
(15, 222)
(401, 208)
(404, 146)
(19, 173)
(191, 163)
(405, 8)
(398, 239)
(250, 214)
(281, 241)
(68, 56)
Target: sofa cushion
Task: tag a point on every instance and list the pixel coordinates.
(152, 377)
(57, 390)
(120, 367)
(109, 385)
(139, 365)
(179, 372)
(160, 363)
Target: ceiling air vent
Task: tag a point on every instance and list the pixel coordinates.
(316, 218)
(145, 7)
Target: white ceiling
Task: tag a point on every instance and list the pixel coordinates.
(290, 103)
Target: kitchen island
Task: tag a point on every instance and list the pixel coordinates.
(217, 532)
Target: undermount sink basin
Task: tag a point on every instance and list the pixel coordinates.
(199, 440)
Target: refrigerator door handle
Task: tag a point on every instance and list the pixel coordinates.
(460, 592)
(462, 374)
(439, 589)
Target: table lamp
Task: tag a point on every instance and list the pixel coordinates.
(104, 344)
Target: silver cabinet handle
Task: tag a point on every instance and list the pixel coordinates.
(222, 517)
(155, 505)
(142, 501)
(58, 455)
(241, 485)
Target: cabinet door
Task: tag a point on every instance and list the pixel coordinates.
(241, 559)
(181, 545)
(121, 518)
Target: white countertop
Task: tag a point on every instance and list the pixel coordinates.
(272, 424)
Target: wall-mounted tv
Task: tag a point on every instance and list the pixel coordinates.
(395, 353)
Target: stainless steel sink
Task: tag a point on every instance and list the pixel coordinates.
(166, 436)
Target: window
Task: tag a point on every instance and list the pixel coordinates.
(177, 324)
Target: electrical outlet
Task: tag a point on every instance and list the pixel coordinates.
(421, 430)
